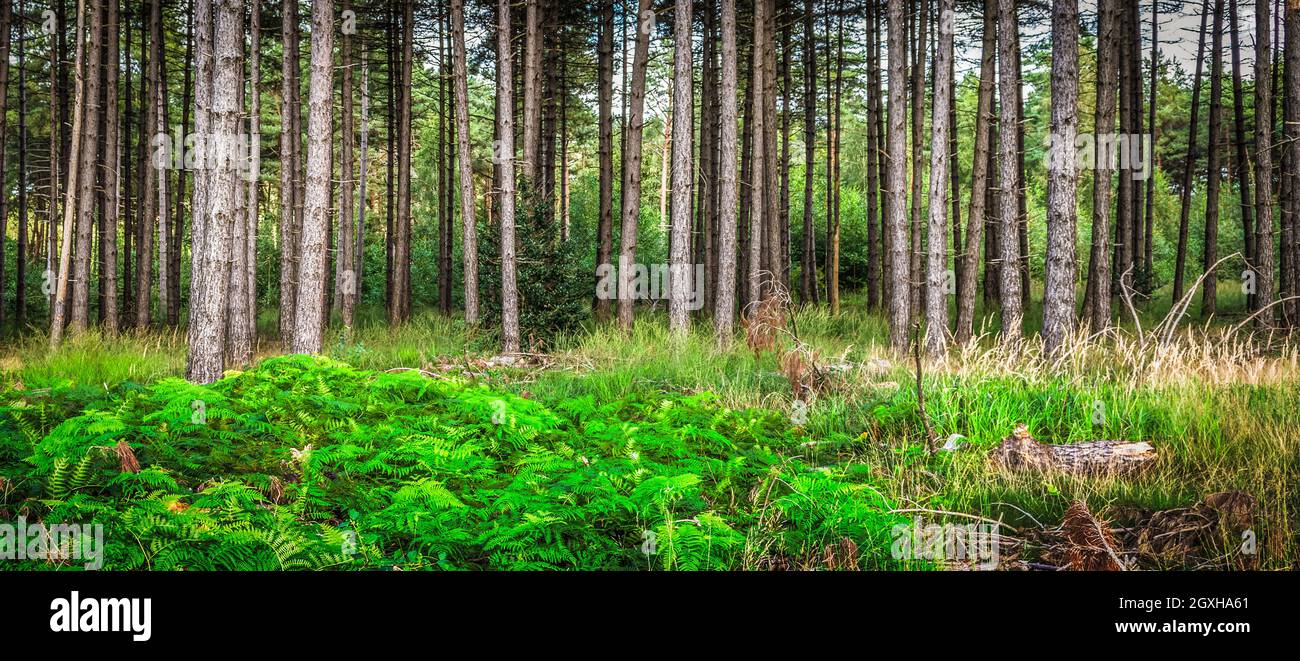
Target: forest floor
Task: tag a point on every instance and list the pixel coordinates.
(417, 448)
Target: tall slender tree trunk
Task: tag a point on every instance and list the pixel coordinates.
(58, 315)
(242, 310)
(631, 206)
(896, 181)
(289, 230)
(833, 168)
(1263, 265)
(758, 191)
(936, 294)
(176, 229)
(1098, 295)
(158, 102)
(1189, 161)
(219, 28)
(1010, 289)
(255, 142)
(400, 310)
(1210, 255)
(980, 160)
(1060, 273)
(873, 159)
(532, 91)
(725, 302)
(1289, 283)
(464, 161)
(1242, 170)
(308, 333)
(345, 278)
(605, 96)
(808, 281)
(505, 157)
(680, 274)
(108, 313)
(85, 182)
(918, 150)
(20, 266)
(148, 170)
(1148, 265)
(6, 18)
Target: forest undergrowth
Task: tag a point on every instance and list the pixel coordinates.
(418, 449)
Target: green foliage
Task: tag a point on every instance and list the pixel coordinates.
(554, 281)
(307, 463)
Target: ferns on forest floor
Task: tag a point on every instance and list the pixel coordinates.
(406, 471)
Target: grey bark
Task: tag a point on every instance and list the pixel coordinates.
(970, 260)
(681, 273)
(631, 207)
(725, 301)
(505, 157)
(1263, 265)
(936, 293)
(1060, 271)
(469, 229)
(896, 182)
(1009, 59)
(308, 334)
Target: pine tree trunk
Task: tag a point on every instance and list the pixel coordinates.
(143, 298)
(20, 266)
(58, 315)
(6, 17)
(243, 292)
(896, 182)
(1289, 283)
(1099, 278)
(400, 310)
(255, 144)
(177, 226)
(532, 91)
(808, 281)
(308, 332)
(505, 159)
(289, 231)
(1242, 170)
(108, 312)
(873, 160)
(725, 301)
(1211, 252)
(977, 218)
(936, 293)
(1010, 281)
(1189, 161)
(683, 170)
(85, 182)
(345, 278)
(631, 206)
(1263, 264)
(157, 101)
(469, 229)
(1060, 272)
(915, 286)
(218, 28)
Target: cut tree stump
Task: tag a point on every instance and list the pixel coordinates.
(1020, 452)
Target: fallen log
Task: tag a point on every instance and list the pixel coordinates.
(1020, 452)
